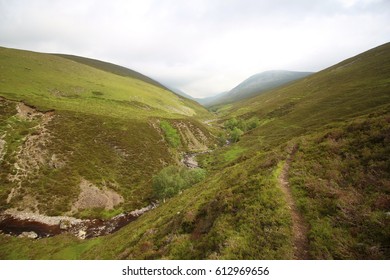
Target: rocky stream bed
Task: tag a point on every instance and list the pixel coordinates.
(33, 225)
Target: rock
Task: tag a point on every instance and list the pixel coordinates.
(29, 234)
(81, 234)
(64, 224)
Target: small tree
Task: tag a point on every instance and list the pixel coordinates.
(253, 123)
(231, 124)
(172, 179)
(236, 134)
(221, 139)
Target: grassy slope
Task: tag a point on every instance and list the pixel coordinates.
(339, 120)
(105, 129)
(52, 82)
(353, 87)
(112, 68)
(340, 179)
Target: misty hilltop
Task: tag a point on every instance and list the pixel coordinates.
(255, 85)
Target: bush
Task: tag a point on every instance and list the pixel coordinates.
(231, 124)
(252, 123)
(173, 179)
(236, 134)
(238, 127)
(221, 139)
(170, 133)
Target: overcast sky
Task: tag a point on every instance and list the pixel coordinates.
(202, 47)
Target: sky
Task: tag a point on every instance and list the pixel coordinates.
(202, 47)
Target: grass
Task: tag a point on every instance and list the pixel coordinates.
(340, 179)
(53, 82)
(62, 247)
(233, 153)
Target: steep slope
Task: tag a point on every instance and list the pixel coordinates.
(70, 130)
(112, 68)
(53, 82)
(353, 87)
(256, 85)
(339, 121)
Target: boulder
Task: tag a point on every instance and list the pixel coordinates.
(29, 234)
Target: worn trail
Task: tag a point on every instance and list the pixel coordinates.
(300, 228)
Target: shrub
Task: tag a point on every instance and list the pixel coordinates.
(238, 127)
(252, 123)
(236, 134)
(231, 124)
(221, 139)
(173, 179)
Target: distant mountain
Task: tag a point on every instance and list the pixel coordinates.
(256, 85)
(209, 100)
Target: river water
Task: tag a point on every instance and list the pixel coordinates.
(88, 228)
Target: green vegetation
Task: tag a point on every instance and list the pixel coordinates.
(104, 130)
(235, 134)
(343, 192)
(170, 134)
(54, 82)
(233, 153)
(332, 128)
(173, 179)
(236, 128)
(112, 68)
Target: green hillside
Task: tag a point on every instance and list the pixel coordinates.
(67, 125)
(54, 82)
(353, 87)
(306, 176)
(112, 68)
(255, 85)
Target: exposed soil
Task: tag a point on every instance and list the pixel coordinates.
(300, 228)
(93, 197)
(2, 146)
(32, 154)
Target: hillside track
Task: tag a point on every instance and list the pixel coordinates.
(299, 226)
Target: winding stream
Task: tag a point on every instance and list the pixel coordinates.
(39, 226)
(189, 159)
(34, 226)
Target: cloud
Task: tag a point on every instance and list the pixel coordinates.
(202, 47)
